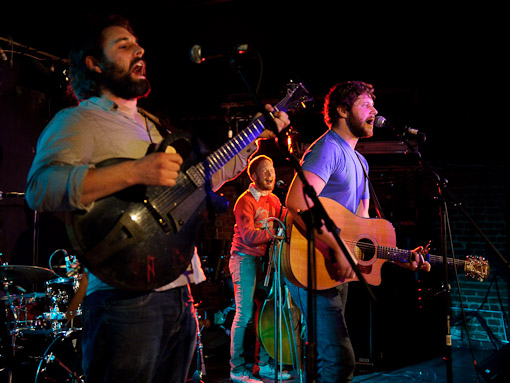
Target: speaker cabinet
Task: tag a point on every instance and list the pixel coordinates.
(496, 368)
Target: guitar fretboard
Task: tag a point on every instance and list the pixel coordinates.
(229, 150)
(396, 254)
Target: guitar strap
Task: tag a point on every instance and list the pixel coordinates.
(159, 126)
(377, 205)
(164, 127)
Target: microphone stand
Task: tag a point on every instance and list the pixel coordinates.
(443, 214)
(444, 192)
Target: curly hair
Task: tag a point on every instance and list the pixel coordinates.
(344, 94)
(84, 83)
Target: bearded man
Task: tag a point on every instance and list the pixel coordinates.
(255, 211)
(128, 335)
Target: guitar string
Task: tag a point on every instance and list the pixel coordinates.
(177, 193)
(480, 266)
(387, 252)
(218, 159)
(169, 196)
(172, 196)
(232, 147)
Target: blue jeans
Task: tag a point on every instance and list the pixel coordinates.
(246, 271)
(138, 337)
(335, 354)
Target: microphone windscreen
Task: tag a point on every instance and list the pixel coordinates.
(379, 122)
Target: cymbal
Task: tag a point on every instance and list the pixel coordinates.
(22, 273)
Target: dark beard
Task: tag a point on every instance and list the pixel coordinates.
(121, 84)
(357, 128)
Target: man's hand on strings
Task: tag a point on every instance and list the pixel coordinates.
(338, 266)
(417, 263)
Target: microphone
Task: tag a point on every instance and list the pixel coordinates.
(4, 195)
(381, 122)
(280, 184)
(199, 55)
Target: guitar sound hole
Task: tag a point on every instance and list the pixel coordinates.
(364, 250)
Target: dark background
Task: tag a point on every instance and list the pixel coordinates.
(433, 69)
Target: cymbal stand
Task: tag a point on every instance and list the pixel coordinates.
(35, 240)
(10, 303)
(10, 334)
(200, 371)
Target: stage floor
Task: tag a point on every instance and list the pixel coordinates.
(431, 370)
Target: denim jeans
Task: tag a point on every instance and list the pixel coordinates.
(335, 354)
(138, 337)
(246, 271)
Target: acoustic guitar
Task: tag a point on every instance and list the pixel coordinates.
(371, 240)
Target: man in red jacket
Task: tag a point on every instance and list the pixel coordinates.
(256, 212)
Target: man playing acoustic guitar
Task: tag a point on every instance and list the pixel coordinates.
(336, 171)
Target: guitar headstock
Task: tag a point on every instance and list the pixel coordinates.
(476, 268)
(297, 95)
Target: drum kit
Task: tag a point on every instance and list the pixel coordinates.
(40, 338)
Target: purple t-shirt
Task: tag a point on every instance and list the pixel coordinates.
(332, 159)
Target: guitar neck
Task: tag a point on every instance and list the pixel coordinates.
(226, 152)
(395, 254)
(229, 150)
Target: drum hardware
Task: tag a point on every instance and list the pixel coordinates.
(10, 303)
(61, 361)
(71, 265)
(15, 276)
(24, 310)
(200, 371)
(60, 292)
(31, 357)
(35, 318)
(50, 358)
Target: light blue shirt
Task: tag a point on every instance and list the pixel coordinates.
(332, 159)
